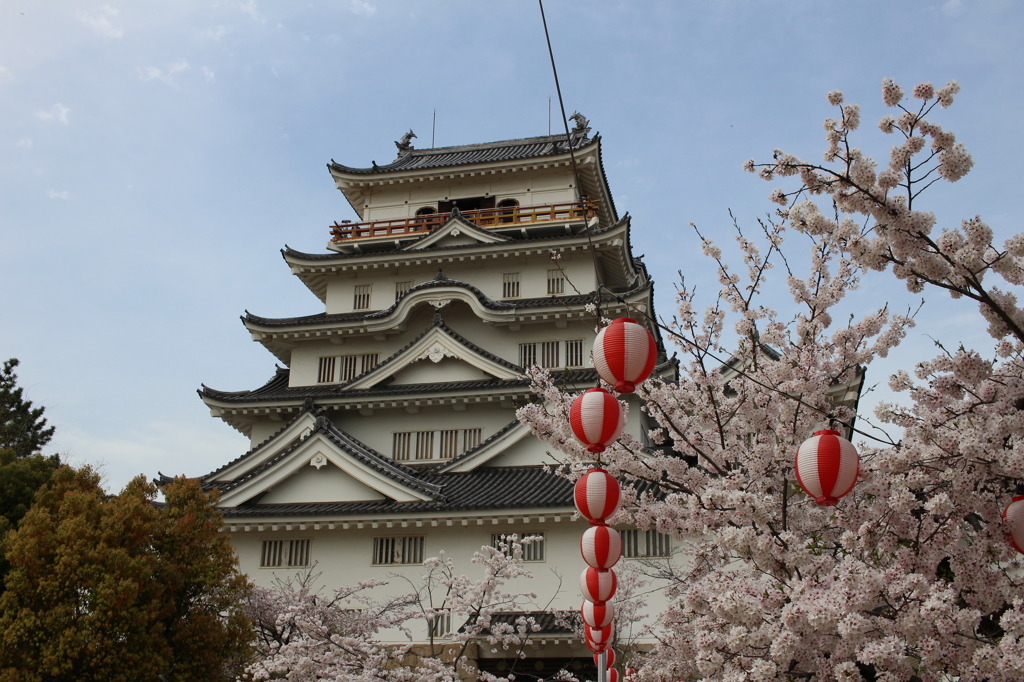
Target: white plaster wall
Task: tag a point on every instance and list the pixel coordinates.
(327, 484)
(448, 369)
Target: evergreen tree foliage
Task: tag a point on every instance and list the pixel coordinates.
(22, 428)
(118, 588)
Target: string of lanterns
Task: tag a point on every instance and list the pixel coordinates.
(827, 468)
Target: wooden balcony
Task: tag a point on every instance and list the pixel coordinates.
(490, 218)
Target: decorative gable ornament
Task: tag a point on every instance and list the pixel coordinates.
(827, 467)
(597, 495)
(597, 419)
(1013, 517)
(624, 354)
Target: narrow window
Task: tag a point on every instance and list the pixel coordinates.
(400, 446)
(449, 444)
(533, 544)
(549, 354)
(401, 288)
(510, 285)
(441, 625)
(348, 367)
(326, 373)
(649, 543)
(285, 553)
(470, 439)
(368, 361)
(658, 544)
(362, 297)
(556, 282)
(574, 353)
(630, 548)
(507, 210)
(398, 550)
(424, 445)
(527, 354)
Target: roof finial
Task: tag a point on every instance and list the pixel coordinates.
(440, 275)
(405, 144)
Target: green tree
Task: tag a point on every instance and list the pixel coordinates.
(22, 427)
(119, 588)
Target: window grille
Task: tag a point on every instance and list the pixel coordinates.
(400, 446)
(424, 445)
(398, 550)
(556, 282)
(532, 543)
(470, 439)
(348, 366)
(449, 444)
(441, 625)
(401, 288)
(326, 373)
(549, 354)
(510, 285)
(527, 354)
(362, 297)
(649, 543)
(285, 553)
(574, 353)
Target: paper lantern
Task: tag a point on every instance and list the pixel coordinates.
(827, 467)
(609, 658)
(597, 495)
(598, 586)
(613, 675)
(1013, 516)
(601, 546)
(624, 354)
(600, 637)
(597, 419)
(597, 615)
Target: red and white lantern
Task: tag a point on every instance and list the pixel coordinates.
(597, 637)
(827, 467)
(609, 658)
(612, 675)
(597, 615)
(624, 354)
(598, 495)
(598, 586)
(597, 419)
(1013, 516)
(601, 546)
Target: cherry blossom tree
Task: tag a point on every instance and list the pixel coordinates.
(305, 634)
(910, 577)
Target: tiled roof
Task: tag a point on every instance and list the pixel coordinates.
(485, 300)
(483, 488)
(404, 475)
(287, 251)
(504, 150)
(277, 388)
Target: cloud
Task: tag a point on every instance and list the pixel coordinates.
(102, 22)
(54, 194)
(363, 8)
(208, 74)
(249, 7)
(25, 142)
(953, 7)
(58, 112)
(215, 33)
(152, 73)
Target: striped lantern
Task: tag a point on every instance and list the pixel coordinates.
(597, 615)
(599, 637)
(1013, 516)
(624, 354)
(601, 546)
(597, 495)
(597, 419)
(598, 586)
(612, 675)
(610, 654)
(827, 467)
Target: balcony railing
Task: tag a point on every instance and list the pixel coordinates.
(506, 216)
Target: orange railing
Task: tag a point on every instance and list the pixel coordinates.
(484, 217)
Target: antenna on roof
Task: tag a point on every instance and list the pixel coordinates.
(433, 129)
(549, 115)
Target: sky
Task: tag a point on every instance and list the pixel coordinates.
(155, 158)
